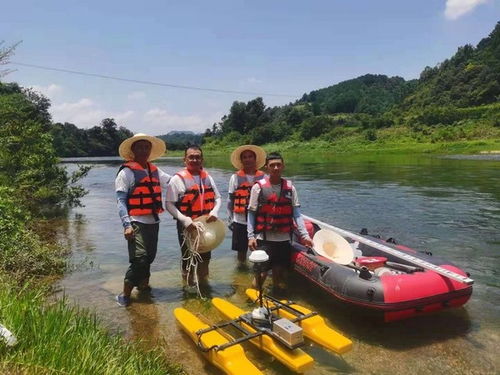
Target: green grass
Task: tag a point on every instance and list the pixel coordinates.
(466, 138)
(53, 338)
(60, 339)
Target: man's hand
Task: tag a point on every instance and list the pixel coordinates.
(211, 218)
(129, 233)
(252, 244)
(194, 227)
(307, 242)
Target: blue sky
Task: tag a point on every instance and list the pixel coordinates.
(282, 47)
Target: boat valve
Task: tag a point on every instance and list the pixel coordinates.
(365, 273)
(370, 293)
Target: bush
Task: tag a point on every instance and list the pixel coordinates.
(370, 135)
(316, 126)
(266, 134)
(439, 115)
(23, 254)
(335, 134)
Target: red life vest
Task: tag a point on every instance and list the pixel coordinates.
(242, 193)
(274, 213)
(145, 197)
(197, 200)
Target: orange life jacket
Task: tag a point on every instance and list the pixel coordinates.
(274, 213)
(145, 197)
(197, 200)
(242, 193)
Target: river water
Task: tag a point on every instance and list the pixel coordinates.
(450, 206)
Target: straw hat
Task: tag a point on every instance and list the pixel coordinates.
(260, 156)
(158, 146)
(212, 235)
(333, 246)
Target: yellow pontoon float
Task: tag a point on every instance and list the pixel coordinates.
(276, 327)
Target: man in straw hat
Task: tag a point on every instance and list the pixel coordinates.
(272, 209)
(139, 186)
(192, 193)
(247, 159)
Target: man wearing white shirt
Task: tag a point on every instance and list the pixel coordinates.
(273, 208)
(247, 159)
(139, 185)
(192, 193)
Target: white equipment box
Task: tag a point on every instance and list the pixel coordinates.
(288, 331)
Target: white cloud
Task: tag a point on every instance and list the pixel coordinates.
(86, 113)
(136, 95)
(49, 91)
(123, 118)
(457, 8)
(161, 121)
(83, 113)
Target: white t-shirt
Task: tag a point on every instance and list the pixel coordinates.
(238, 217)
(254, 203)
(125, 180)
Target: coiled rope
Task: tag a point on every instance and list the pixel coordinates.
(192, 240)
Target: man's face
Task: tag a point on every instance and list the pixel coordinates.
(193, 160)
(275, 167)
(141, 150)
(248, 159)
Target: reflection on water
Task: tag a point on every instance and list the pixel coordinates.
(448, 206)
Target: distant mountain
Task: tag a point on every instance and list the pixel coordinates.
(178, 139)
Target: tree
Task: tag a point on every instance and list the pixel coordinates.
(299, 113)
(253, 112)
(236, 118)
(28, 162)
(316, 126)
(41, 104)
(68, 140)
(101, 140)
(343, 103)
(5, 54)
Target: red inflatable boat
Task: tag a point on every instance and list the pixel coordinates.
(392, 279)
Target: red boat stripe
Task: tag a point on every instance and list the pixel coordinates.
(405, 287)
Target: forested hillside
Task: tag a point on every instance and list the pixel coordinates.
(100, 140)
(373, 94)
(470, 78)
(459, 99)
